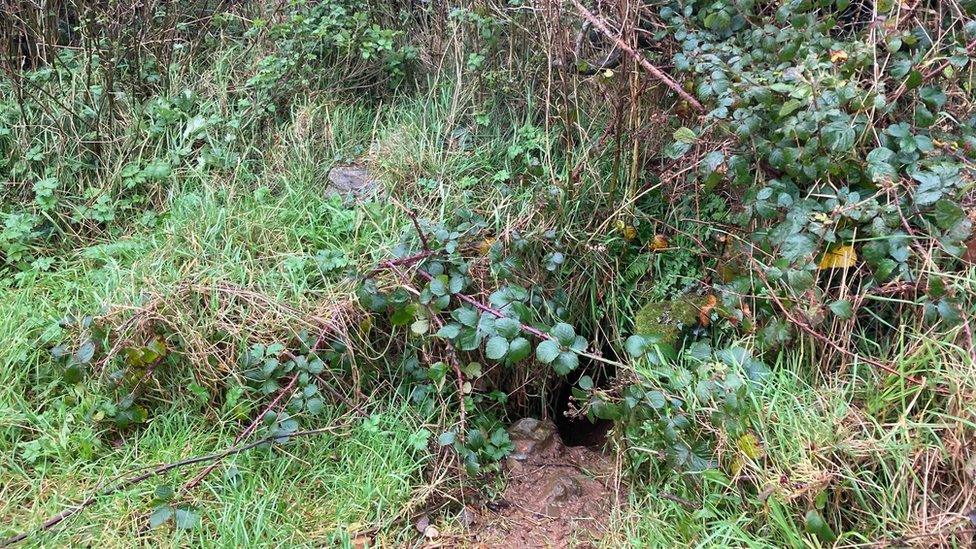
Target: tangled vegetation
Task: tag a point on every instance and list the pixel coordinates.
(739, 230)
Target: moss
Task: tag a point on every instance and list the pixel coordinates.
(668, 318)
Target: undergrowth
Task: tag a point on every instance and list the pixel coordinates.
(769, 295)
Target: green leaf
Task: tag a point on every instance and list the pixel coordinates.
(839, 136)
(635, 346)
(86, 352)
(547, 351)
(164, 492)
(566, 362)
(186, 518)
(466, 316)
(160, 515)
(815, 524)
(842, 308)
(586, 383)
(564, 333)
(404, 315)
(947, 214)
(518, 349)
(449, 331)
(496, 348)
(439, 285)
(472, 369)
(508, 327)
(685, 135)
(447, 438)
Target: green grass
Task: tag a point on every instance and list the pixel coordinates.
(254, 231)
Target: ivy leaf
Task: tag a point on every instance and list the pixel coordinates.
(496, 348)
(842, 308)
(518, 349)
(547, 351)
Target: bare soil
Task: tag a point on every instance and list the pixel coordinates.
(557, 496)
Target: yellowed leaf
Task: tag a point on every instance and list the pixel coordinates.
(485, 246)
(705, 314)
(838, 56)
(660, 242)
(841, 257)
(749, 446)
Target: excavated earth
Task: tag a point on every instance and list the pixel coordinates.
(557, 495)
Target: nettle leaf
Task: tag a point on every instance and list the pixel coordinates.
(547, 351)
(518, 349)
(496, 348)
(564, 333)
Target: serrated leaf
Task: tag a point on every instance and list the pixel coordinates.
(547, 351)
(447, 438)
(842, 308)
(566, 362)
(449, 331)
(564, 333)
(840, 257)
(518, 349)
(635, 346)
(685, 135)
(508, 327)
(496, 348)
(186, 518)
(160, 515)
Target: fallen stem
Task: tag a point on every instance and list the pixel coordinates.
(67, 513)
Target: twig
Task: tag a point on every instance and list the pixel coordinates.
(245, 433)
(525, 327)
(67, 513)
(655, 72)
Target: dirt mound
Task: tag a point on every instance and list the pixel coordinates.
(557, 496)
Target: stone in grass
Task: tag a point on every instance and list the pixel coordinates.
(353, 182)
(668, 319)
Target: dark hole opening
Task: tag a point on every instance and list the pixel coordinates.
(576, 429)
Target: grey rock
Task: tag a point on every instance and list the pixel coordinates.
(532, 438)
(353, 181)
(558, 491)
